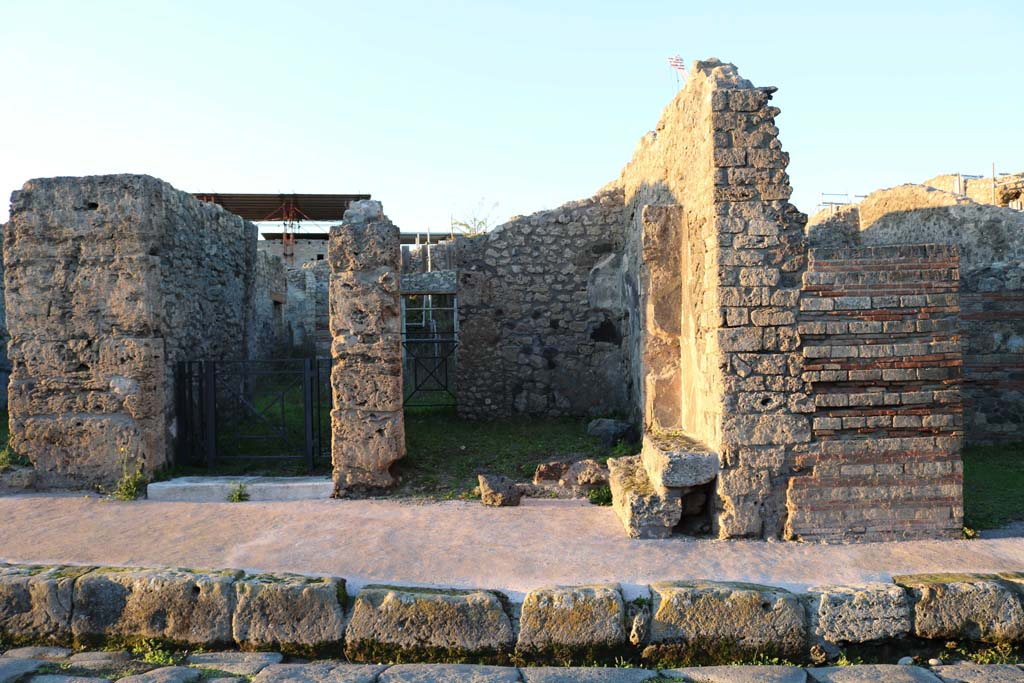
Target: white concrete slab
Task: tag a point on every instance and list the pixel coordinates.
(217, 489)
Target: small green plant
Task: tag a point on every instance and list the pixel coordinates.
(624, 448)
(238, 493)
(642, 602)
(154, 652)
(600, 496)
(1003, 653)
(9, 459)
(968, 534)
(844, 660)
(132, 483)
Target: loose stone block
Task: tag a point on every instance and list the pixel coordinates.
(320, 672)
(175, 605)
(973, 607)
(738, 674)
(12, 669)
(872, 673)
(644, 510)
(569, 619)
(676, 460)
(703, 621)
(416, 624)
(242, 663)
(288, 612)
(449, 673)
(859, 614)
(498, 491)
(35, 603)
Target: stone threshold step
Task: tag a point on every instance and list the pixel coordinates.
(217, 489)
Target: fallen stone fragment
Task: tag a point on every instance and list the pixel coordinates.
(167, 674)
(498, 491)
(242, 663)
(561, 674)
(175, 605)
(965, 606)
(449, 673)
(872, 673)
(674, 460)
(11, 669)
(289, 612)
(968, 672)
(737, 674)
(583, 476)
(320, 672)
(705, 622)
(413, 624)
(859, 614)
(568, 619)
(644, 510)
(49, 654)
(611, 432)
(549, 472)
(35, 602)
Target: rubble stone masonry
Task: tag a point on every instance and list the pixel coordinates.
(367, 428)
(110, 280)
(882, 352)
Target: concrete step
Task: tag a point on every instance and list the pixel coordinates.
(217, 489)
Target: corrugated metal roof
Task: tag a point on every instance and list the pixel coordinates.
(284, 207)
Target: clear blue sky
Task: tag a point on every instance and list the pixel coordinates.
(437, 108)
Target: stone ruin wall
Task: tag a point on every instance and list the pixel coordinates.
(306, 311)
(991, 246)
(109, 281)
(268, 332)
(367, 426)
(543, 314)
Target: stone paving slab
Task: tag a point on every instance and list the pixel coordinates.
(966, 672)
(59, 678)
(167, 674)
(554, 674)
(404, 542)
(738, 674)
(49, 654)
(322, 672)
(12, 669)
(872, 673)
(449, 673)
(100, 659)
(216, 489)
(242, 663)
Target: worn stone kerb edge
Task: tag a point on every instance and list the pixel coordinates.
(682, 622)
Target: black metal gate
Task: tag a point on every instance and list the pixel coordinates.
(236, 411)
(429, 371)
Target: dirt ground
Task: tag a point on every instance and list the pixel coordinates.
(454, 543)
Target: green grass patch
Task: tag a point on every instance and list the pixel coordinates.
(993, 481)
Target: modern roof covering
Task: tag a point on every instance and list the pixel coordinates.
(284, 207)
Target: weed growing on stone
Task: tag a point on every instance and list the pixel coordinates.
(154, 652)
(1003, 653)
(238, 493)
(600, 496)
(132, 483)
(9, 459)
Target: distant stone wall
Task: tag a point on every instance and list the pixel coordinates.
(304, 250)
(881, 349)
(5, 363)
(367, 427)
(990, 241)
(110, 280)
(267, 330)
(543, 314)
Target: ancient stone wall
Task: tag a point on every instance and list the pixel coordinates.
(881, 349)
(543, 314)
(303, 250)
(110, 280)
(5, 363)
(713, 173)
(367, 425)
(1005, 191)
(267, 329)
(991, 245)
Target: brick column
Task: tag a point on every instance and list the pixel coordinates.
(367, 427)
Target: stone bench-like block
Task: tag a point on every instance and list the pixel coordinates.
(859, 614)
(696, 622)
(646, 511)
(422, 624)
(674, 460)
(976, 607)
(289, 612)
(35, 603)
(566, 620)
(175, 605)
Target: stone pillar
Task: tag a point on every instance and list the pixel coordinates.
(367, 427)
